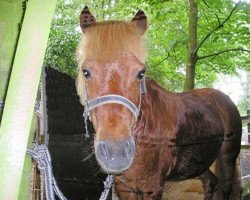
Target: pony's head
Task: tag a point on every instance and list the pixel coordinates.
(111, 70)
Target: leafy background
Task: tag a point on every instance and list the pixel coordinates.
(167, 38)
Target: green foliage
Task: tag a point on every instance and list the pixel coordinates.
(246, 189)
(243, 105)
(244, 102)
(233, 34)
(64, 37)
(167, 37)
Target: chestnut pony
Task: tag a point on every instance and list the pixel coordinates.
(148, 137)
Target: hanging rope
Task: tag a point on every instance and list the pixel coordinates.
(107, 185)
(41, 155)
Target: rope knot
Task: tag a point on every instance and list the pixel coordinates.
(41, 155)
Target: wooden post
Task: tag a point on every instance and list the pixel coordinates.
(248, 125)
(21, 95)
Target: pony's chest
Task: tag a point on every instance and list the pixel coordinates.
(198, 141)
(194, 156)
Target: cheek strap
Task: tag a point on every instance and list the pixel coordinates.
(143, 86)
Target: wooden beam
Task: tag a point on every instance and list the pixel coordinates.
(245, 119)
(245, 146)
(21, 94)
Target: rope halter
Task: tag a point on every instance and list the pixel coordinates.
(113, 99)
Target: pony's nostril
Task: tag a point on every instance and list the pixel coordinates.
(126, 152)
(130, 151)
(130, 147)
(103, 150)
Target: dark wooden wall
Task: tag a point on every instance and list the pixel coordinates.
(78, 179)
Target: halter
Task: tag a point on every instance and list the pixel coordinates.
(113, 99)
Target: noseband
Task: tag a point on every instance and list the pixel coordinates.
(113, 99)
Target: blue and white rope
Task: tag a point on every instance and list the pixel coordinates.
(41, 155)
(107, 186)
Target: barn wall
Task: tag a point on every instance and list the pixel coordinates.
(74, 164)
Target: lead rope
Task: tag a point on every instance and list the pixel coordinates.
(41, 155)
(107, 185)
(85, 115)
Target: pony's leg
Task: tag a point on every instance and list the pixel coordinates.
(209, 183)
(156, 195)
(226, 171)
(127, 195)
(123, 195)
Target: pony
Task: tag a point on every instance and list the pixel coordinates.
(146, 135)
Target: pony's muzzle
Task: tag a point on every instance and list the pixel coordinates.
(115, 156)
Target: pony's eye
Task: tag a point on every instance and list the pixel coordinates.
(141, 74)
(86, 73)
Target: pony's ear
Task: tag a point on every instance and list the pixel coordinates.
(140, 20)
(86, 19)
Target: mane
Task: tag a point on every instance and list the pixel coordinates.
(110, 41)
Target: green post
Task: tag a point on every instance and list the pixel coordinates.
(11, 13)
(21, 94)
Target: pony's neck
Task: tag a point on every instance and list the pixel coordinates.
(154, 108)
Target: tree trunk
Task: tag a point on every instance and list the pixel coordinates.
(192, 46)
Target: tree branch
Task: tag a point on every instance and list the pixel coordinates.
(218, 19)
(155, 65)
(206, 3)
(220, 25)
(168, 54)
(222, 51)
